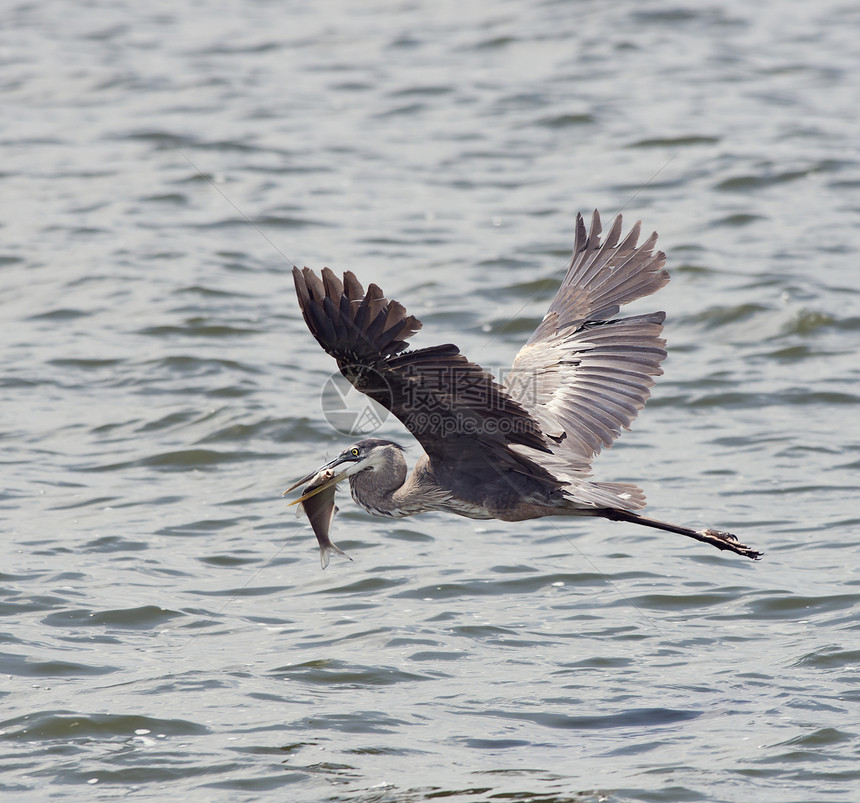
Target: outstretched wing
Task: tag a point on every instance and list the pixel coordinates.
(582, 376)
(463, 419)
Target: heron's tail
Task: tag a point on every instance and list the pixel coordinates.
(585, 495)
(625, 495)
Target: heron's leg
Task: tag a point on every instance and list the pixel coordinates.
(718, 538)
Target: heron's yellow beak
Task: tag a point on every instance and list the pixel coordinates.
(313, 491)
(319, 480)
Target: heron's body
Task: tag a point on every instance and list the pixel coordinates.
(513, 451)
(392, 492)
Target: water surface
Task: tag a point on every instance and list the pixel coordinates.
(167, 629)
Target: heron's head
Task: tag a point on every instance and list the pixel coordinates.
(366, 455)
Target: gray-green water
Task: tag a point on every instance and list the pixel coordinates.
(166, 628)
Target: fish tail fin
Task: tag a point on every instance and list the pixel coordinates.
(326, 550)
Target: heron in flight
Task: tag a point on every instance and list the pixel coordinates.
(516, 450)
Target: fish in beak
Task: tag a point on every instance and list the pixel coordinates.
(317, 501)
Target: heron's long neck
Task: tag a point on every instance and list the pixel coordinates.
(385, 491)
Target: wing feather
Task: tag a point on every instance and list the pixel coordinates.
(585, 377)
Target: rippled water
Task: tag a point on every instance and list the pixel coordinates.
(166, 627)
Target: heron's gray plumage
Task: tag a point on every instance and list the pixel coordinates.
(585, 377)
(512, 451)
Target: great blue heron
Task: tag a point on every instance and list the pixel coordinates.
(512, 451)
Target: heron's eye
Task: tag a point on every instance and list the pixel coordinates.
(354, 452)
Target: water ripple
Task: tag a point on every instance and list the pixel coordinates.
(166, 627)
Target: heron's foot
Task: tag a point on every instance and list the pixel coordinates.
(724, 540)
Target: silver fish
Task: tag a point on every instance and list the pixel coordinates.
(320, 508)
